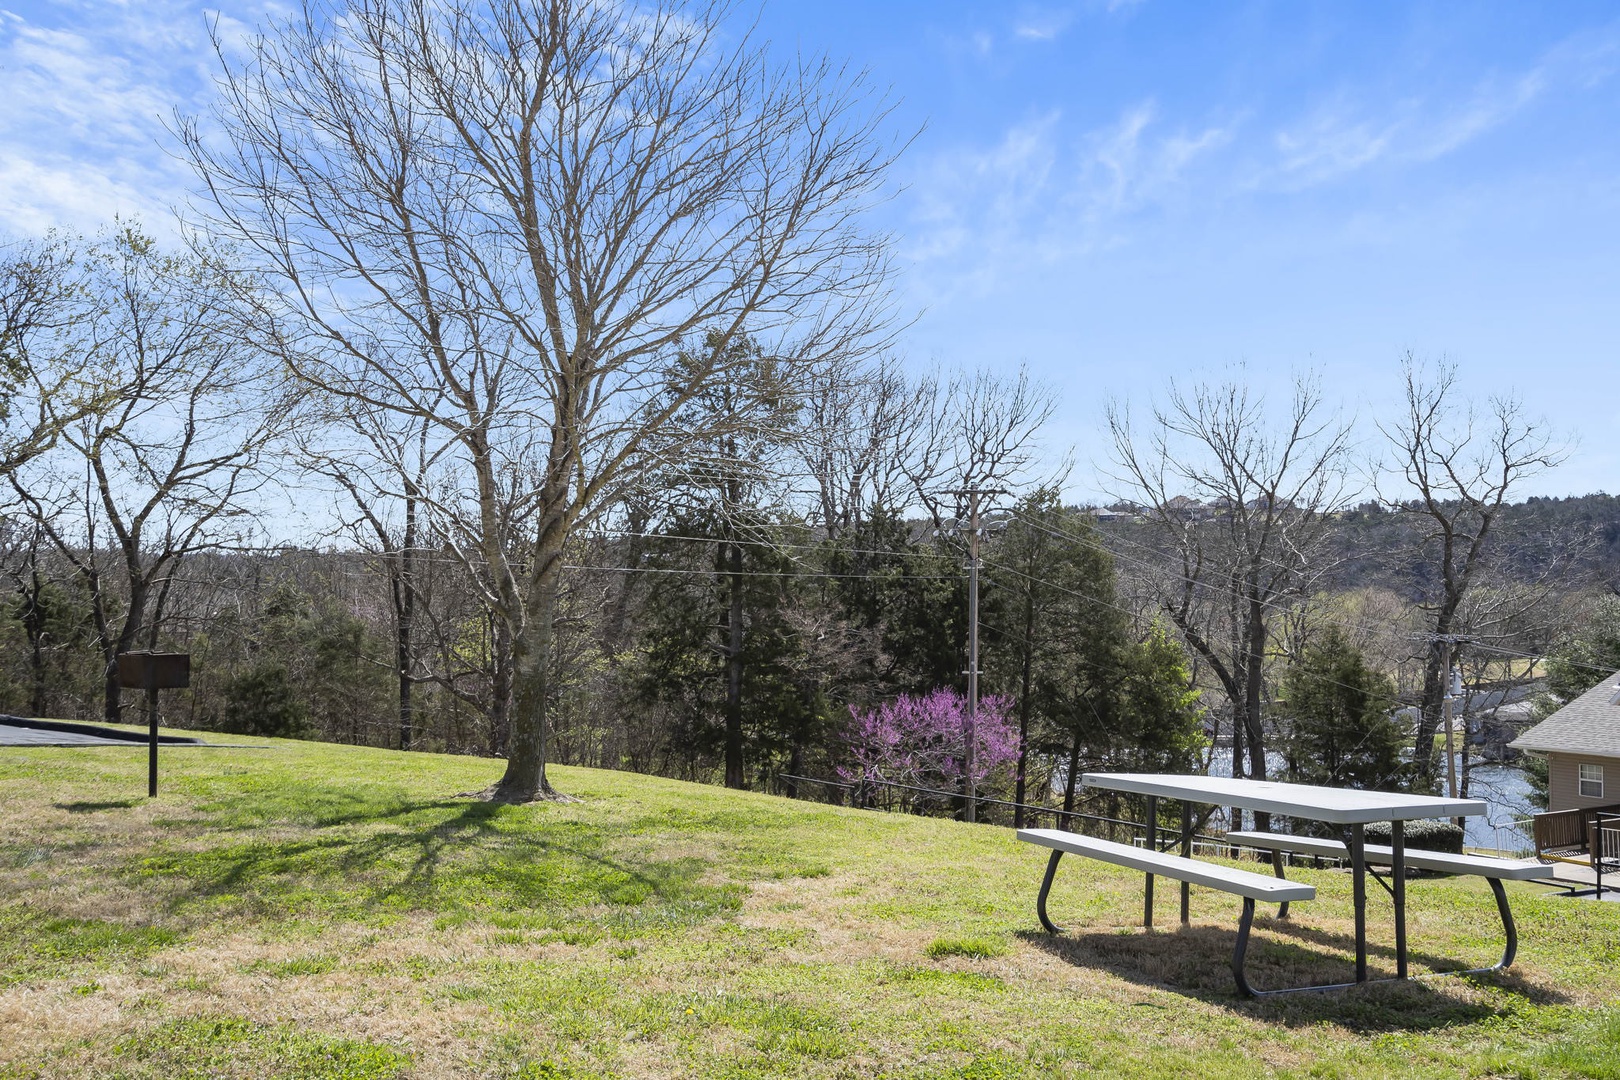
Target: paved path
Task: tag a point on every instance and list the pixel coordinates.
(16, 731)
(21, 736)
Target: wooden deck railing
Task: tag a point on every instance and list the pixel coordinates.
(1567, 834)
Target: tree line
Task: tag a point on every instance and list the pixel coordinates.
(525, 385)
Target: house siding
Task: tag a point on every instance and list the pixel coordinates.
(1563, 781)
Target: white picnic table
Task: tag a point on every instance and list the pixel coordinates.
(1338, 806)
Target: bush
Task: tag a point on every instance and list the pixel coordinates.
(261, 701)
(1424, 835)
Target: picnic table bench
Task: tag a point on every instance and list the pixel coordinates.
(1493, 869)
(1244, 883)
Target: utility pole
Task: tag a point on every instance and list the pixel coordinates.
(970, 807)
(1453, 690)
(970, 795)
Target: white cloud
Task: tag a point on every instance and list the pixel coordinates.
(88, 88)
(1353, 132)
(36, 196)
(1043, 194)
(1041, 24)
(1328, 145)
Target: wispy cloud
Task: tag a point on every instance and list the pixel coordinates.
(1328, 144)
(1042, 24)
(87, 90)
(1026, 25)
(1353, 130)
(1045, 193)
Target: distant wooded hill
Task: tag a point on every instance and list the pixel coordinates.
(1570, 542)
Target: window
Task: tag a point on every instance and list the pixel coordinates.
(1591, 781)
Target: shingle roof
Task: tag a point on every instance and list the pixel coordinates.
(1587, 725)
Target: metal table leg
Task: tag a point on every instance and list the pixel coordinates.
(1358, 895)
(1511, 949)
(1153, 845)
(1277, 868)
(1186, 853)
(1245, 924)
(1397, 869)
(1046, 887)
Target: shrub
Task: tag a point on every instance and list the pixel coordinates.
(1424, 835)
(261, 701)
(921, 739)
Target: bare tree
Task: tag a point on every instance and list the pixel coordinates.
(42, 388)
(167, 468)
(1461, 464)
(861, 435)
(1240, 511)
(383, 462)
(509, 219)
(981, 433)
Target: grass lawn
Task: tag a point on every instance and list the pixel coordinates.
(303, 910)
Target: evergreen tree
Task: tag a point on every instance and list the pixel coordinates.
(1342, 730)
(1583, 657)
(1061, 650)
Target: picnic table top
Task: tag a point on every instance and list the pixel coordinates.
(1339, 806)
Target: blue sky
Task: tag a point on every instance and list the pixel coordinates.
(1116, 194)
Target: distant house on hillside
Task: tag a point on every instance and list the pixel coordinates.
(1581, 742)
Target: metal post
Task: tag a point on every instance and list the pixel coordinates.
(1397, 869)
(1358, 896)
(153, 671)
(152, 741)
(1153, 845)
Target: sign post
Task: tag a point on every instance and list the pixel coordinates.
(153, 671)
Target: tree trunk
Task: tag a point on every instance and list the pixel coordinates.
(33, 621)
(1234, 814)
(112, 701)
(795, 767)
(525, 777)
(501, 680)
(1253, 707)
(734, 670)
(1072, 780)
(531, 642)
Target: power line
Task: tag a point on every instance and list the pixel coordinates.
(754, 573)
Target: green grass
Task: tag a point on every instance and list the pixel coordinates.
(977, 948)
(300, 910)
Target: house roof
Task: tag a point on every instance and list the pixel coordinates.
(1588, 725)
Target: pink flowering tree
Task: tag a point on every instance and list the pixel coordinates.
(920, 740)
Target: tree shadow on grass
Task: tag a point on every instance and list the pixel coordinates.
(1197, 961)
(476, 857)
(93, 807)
